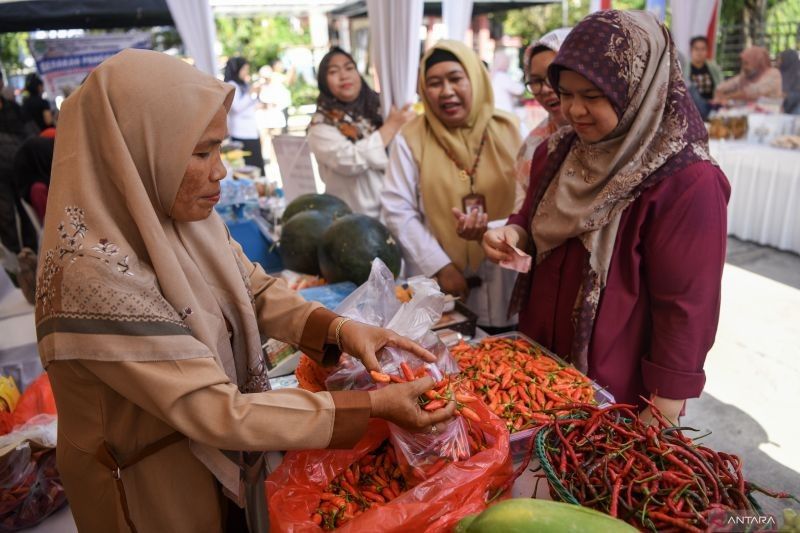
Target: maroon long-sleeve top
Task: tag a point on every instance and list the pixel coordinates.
(659, 311)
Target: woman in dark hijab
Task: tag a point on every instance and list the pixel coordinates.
(37, 107)
(625, 218)
(348, 134)
(789, 65)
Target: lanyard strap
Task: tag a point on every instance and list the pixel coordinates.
(106, 457)
(463, 173)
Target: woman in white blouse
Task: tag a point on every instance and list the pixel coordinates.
(242, 124)
(348, 135)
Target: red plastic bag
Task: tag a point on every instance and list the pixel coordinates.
(436, 504)
(36, 400)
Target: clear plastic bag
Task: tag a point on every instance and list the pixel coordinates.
(30, 488)
(375, 303)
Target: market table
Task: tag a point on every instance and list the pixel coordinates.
(765, 192)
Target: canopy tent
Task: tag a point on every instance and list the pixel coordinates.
(192, 18)
(31, 15)
(358, 8)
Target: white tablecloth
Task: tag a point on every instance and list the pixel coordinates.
(765, 192)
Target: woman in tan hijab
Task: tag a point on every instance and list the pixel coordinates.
(149, 317)
(455, 159)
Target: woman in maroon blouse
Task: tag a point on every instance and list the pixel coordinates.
(626, 218)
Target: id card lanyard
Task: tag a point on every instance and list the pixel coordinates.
(472, 201)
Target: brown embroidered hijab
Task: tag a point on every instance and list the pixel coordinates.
(586, 187)
(120, 280)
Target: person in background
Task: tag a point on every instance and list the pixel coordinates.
(789, 65)
(702, 75)
(32, 166)
(757, 79)
(284, 78)
(506, 89)
(242, 123)
(348, 135)
(150, 318)
(276, 99)
(537, 59)
(455, 160)
(15, 127)
(35, 105)
(625, 218)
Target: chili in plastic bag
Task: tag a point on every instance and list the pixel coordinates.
(437, 504)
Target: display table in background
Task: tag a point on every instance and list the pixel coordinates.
(765, 192)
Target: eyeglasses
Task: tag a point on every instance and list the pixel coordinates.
(536, 85)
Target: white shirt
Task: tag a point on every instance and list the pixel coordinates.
(505, 89)
(352, 171)
(242, 116)
(404, 215)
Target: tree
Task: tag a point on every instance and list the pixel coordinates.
(531, 23)
(259, 39)
(13, 47)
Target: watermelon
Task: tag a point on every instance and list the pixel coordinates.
(324, 203)
(349, 246)
(300, 239)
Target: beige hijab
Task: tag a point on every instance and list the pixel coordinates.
(441, 186)
(119, 280)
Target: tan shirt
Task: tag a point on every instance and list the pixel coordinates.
(132, 404)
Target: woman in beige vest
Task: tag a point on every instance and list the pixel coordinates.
(149, 318)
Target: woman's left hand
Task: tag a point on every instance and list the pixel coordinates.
(471, 227)
(363, 342)
(669, 409)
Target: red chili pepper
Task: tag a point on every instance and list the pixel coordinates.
(407, 373)
(434, 405)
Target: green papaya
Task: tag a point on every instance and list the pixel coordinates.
(523, 515)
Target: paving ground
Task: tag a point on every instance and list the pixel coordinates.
(752, 393)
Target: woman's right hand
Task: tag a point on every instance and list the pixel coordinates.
(398, 403)
(452, 281)
(498, 242)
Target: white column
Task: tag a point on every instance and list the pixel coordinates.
(195, 24)
(395, 47)
(456, 15)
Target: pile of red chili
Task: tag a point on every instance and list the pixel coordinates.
(519, 382)
(653, 477)
(373, 480)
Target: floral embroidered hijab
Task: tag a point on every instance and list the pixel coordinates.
(120, 280)
(586, 187)
(355, 120)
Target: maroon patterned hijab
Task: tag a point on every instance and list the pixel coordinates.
(586, 187)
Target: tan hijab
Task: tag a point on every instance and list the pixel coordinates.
(119, 280)
(440, 184)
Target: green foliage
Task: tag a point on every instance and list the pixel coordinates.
(258, 39)
(12, 46)
(302, 92)
(533, 22)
